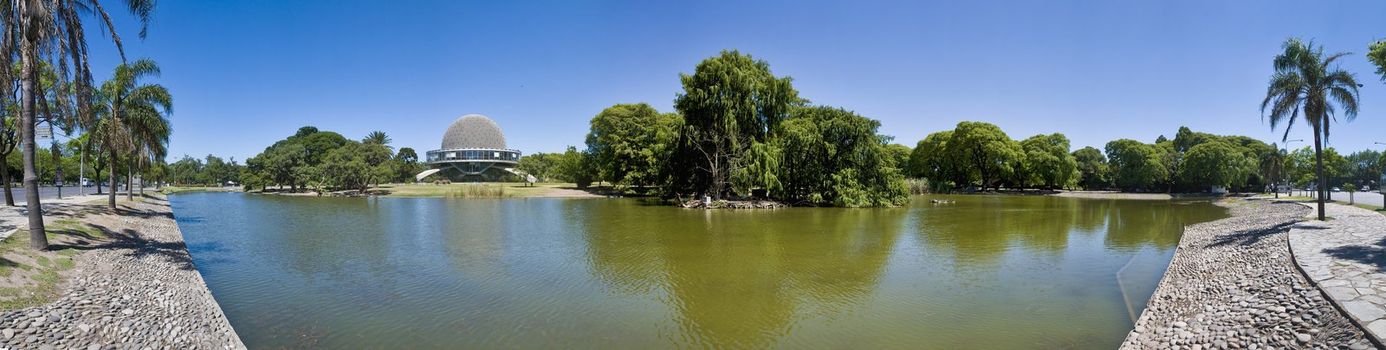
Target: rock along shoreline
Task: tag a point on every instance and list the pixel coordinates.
(1232, 284)
(139, 291)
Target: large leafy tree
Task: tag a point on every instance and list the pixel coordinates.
(540, 165)
(295, 160)
(1216, 164)
(831, 155)
(1364, 168)
(730, 102)
(1048, 161)
(1136, 166)
(1092, 168)
(931, 160)
(1308, 85)
(575, 166)
(406, 164)
(631, 142)
(985, 152)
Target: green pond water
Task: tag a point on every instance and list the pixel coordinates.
(988, 272)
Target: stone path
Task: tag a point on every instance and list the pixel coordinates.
(1346, 257)
(1232, 284)
(138, 291)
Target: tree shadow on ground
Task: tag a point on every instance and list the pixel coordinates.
(84, 210)
(1367, 254)
(1251, 237)
(138, 246)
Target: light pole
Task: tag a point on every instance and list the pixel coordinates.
(1381, 184)
(1285, 172)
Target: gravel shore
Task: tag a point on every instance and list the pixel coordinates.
(1232, 284)
(138, 290)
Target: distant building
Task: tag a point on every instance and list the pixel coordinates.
(473, 149)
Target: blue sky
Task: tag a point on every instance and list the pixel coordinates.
(247, 73)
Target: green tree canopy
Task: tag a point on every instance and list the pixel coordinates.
(831, 155)
(989, 155)
(1092, 168)
(931, 159)
(1136, 166)
(1048, 161)
(730, 102)
(1216, 164)
(540, 165)
(630, 142)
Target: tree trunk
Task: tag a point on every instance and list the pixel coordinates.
(130, 181)
(111, 197)
(38, 238)
(5, 176)
(1318, 170)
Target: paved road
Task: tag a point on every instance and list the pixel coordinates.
(1368, 198)
(50, 192)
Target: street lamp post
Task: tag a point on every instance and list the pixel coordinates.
(1381, 185)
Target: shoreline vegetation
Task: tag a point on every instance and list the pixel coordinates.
(757, 141)
(570, 190)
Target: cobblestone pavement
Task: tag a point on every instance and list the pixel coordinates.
(139, 290)
(1346, 257)
(1232, 285)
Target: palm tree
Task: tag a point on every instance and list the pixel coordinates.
(377, 138)
(52, 30)
(1307, 85)
(130, 117)
(149, 130)
(1273, 168)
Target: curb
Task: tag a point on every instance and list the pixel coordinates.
(1289, 243)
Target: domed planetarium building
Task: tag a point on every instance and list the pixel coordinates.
(473, 150)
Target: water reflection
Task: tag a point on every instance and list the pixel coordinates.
(549, 273)
(741, 279)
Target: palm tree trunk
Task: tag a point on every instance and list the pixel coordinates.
(5, 176)
(130, 181)
(38, 238)
(111, 199)
(1318, 170)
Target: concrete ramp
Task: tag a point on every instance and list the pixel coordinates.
(426, 173)
(528, 178)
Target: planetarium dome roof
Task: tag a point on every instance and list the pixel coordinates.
(474, 131)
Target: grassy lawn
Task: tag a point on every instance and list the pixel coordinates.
(473, 190)
(29, 278)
